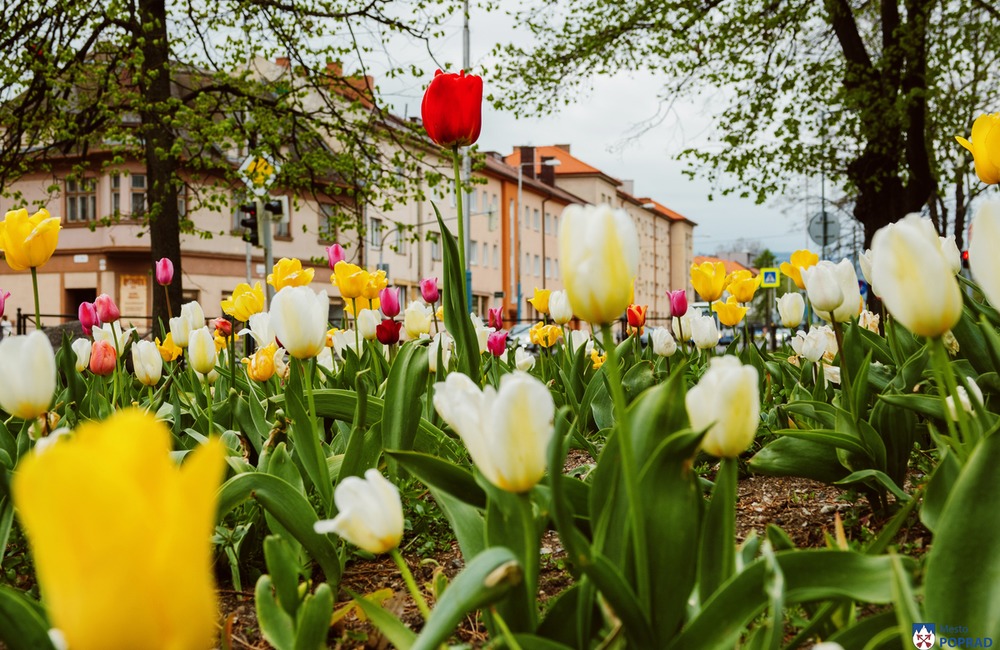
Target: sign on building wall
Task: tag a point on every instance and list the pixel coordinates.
(132, 298)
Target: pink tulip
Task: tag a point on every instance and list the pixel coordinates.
(497, 343)
(164, 271)
(3, 300)
(495, 317)
(429, 290)
(102, 358)
(678, 303)
(389, 301)
(107, 310)
(334, 254)
(222, 327)
(88, 317)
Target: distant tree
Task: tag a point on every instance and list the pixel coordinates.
(171, 82)
(870, 93)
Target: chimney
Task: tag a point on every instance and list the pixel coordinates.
(334, 69)
(628, 187)
(564, 147)
(548, 174)
(283, 61)
(528, 161)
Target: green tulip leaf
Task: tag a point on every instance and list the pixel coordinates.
(404, 388)
(717, 560)
(313, 621)
(391, 627)
(466, 522)
(456, 309)
(638, 378)
(485, 579)
(532, 642)
(925, 405)
(307, 445)
(788, 456)
(290, 508)
(858, 635)
(963, 567)
(282, 567)
(442, 475)
(276, 625)
(866, 475)
(22, 622)
(939, 487)
(974, 344)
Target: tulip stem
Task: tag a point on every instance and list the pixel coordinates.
(505, 630)
(845, 376)
(208, 406)
(170, 311)
(948, 387)
(630, 473)
(411, 584)
(232, 365)
(455, 158)
(34, 286)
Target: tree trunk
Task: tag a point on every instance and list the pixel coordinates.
(161, 163)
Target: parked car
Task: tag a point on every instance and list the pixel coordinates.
(519, 337)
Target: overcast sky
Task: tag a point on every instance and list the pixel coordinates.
(598, 128)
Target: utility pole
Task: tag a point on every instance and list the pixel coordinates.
(467, 171)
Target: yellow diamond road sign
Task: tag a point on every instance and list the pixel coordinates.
(258, 173)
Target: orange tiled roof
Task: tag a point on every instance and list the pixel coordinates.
(662, 209)
(568, 163)
(731, 266)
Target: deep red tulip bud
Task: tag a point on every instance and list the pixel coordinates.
(452, 109)
(102, 358)
(334, 254)
(222, 327)
(164, 271)
(88, 317)
(389, 302)
(387, 332)
(495, 317)
(636, 315)
(107, 310)
(678, 303)
(429, 290)
(497, 343)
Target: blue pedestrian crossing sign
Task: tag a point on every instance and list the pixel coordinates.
(770, 277)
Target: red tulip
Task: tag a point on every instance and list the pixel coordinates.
(88, 317)
(678, 303)
(107, 310)
(497, 343)
(495, 316)
(222, 327)
(387, 332)
(636, 315)
(164, 271)
(429, 290)
(102, 358)
(452, 109)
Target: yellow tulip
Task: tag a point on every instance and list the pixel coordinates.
(245, 302)
(121, 536)
(599, 260)
(289, 273)
(742, 285)
(168, 349)
(376, 282)
(362, 304)
(28, 242)
(709, 280)
(801, 259)
(544, 335)
(260, 366)
(540, 301)
(597, 360)
(985, 147)
(730, 312)
(351, 279)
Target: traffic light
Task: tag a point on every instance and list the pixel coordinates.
(274, 207)
(965, 259)
(250, 223)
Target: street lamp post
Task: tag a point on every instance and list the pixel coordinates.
(515, 236)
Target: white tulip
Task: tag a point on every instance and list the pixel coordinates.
(865, 262)
(523, 359)
(984, 242)
(559, 308)
(260, 329)
(180, 331)
(482, 332)
(417, 319)
(28, 380)
(201, 353)
(963, 399)
(599, 260)
(664, 344)
(81, 347)
(324, 359)
(368, 320)
(147, 362)
(823, 289)
(726, 401)
(949, 249)
(507, 431)
(370, 513)
(810, 347)
(914, 277)
(578, 338)
(682, 326)
(113, 334)
(443, 341)
(193, 314)
(704, 332)
(791, 306)
(869, 321)
(299, 320)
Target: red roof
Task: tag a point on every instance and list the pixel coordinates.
(731, 266)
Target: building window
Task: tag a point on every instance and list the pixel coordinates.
(116, 194)
(486, 254)
(527, 263)
(548, 267)
(375, 233)
(473, 253)
(435, 247)
(81, 200)
(496, 256)
(538, 221)
(138, 194)
(538, 267)
(327, 226)
(555, 224)
(402, 243)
